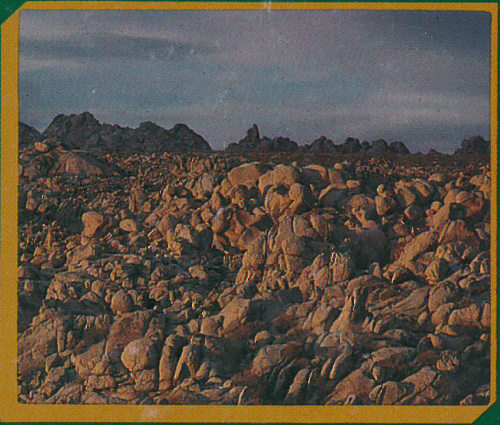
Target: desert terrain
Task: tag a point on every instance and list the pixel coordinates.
(153, 270)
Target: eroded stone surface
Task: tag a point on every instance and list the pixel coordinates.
(250, 279)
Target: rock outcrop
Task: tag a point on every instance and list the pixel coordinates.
(474, 146)
(84, 131)
(252, 142)
(247, 279)
(28, 135)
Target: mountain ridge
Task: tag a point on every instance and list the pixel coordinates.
(84, 131)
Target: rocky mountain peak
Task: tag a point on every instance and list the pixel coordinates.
(28, 135)
(148, 125)
(474, 146)
(85, 132)
(253, 133)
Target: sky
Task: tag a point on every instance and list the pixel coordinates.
(421, 77)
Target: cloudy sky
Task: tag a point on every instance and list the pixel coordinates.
(420, 77)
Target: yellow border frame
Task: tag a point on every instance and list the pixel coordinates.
(12, 411)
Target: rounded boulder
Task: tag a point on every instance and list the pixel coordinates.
(139, 355)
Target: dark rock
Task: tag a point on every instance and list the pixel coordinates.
(252, 142)
(398, 147)
(474, 146)
(28, 136)
(85, 132)
(350, 145)
(322, 144)
(379, 147)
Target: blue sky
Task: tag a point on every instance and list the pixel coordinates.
(419, 77)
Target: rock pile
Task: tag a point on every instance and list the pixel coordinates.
(191, 279)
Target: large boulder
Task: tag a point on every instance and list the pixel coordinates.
(140, 354)
(247, 174)
(271, 356)
(281, 175)
(355, 384)
(127, 328)
(235, 314)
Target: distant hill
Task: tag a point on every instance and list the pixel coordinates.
(28, 135)
(254, 142)
(474, 146)
(85, 132)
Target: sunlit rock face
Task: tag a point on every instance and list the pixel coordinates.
(317, 276)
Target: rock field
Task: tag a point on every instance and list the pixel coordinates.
(239, 278)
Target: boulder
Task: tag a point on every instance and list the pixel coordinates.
(92, 222)
(128, 225)
(247, 174)
(140, 354)
(271, 356)
(280, 175)
(331, 196)
(121, 303)
(355, 384)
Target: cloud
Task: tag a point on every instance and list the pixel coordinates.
(97, 46)
(418, 76)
